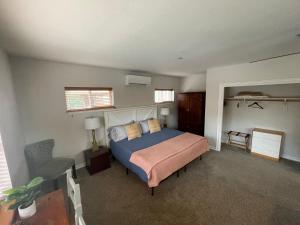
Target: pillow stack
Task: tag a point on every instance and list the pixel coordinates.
(133, 129)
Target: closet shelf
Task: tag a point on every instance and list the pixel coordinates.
(269, 99)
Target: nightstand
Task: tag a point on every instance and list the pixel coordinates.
(98, 160)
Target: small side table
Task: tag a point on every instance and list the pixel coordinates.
(97, 161)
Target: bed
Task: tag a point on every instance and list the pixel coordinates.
(122, 150)
(134, 154)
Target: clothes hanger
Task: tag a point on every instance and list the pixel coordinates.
(255, 105)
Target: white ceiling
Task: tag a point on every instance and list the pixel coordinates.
(150, 35)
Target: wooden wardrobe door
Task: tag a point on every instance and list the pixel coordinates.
(183, 112)
(202, 114)
(195, 115)
(191, 111)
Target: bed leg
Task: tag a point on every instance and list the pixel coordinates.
(200, 157)
(178, 173)
(185, 169)
(127, 172)
(152, 191)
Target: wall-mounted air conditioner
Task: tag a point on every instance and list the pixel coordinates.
(133, 79)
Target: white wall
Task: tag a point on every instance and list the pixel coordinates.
(40, 95)
(269, 71)
(193, 83)
(275, 116)
(10, 126)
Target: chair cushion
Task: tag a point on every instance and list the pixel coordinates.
(55, 167)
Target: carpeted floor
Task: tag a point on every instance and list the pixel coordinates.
(228, 187)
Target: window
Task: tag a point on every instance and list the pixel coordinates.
(163, 95)
(83, 98)
(5, 182)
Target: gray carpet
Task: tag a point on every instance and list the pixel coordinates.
(228, 187)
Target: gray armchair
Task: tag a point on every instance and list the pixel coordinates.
(41, 162)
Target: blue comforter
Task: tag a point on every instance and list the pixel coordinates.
(122, 150)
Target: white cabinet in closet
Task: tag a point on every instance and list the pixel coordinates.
(266, 143)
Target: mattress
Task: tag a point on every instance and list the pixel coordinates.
(122, 150)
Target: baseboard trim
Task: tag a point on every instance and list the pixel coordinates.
(292, 158)
(213, 148)
(80, 165)
(284, 156)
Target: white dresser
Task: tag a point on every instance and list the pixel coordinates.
(266, 143)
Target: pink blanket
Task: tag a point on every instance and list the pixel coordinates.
(161, 160)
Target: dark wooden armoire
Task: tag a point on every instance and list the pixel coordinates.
(191, 112)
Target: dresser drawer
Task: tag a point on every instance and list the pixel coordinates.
(268, 148)
(266, 144)
(267, 136)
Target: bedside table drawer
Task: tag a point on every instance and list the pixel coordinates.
(101, 162)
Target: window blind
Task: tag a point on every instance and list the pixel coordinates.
(163, 95)
(5, 182)
(80, 98)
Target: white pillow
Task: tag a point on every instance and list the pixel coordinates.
(144, 126)
(118, 133)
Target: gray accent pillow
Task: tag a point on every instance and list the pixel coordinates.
(144, 125)
(118, 133)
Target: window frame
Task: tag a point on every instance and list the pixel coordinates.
(6, 171)
(68, 88)
(164, 89)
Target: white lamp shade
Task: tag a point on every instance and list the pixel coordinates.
(164, 111)
(92, 123)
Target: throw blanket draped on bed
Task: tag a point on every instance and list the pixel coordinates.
(161, 160)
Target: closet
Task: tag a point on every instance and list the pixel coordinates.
(191, 112)
(269, 114)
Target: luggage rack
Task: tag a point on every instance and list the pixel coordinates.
(241, 144)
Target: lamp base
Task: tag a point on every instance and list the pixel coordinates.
(95, 147)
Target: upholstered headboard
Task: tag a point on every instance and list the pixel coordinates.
(125, 115)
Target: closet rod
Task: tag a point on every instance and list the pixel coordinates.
(271, 99)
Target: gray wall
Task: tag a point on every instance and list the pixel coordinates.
(40, 95)
(275, 70)
(193, 83)
(10, 126)
(275, 116)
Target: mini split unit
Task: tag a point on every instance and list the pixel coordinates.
(133, 79)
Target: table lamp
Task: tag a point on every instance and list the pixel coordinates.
(93, 123)
(165, 112)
